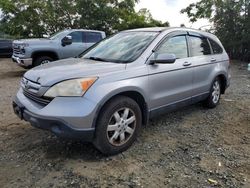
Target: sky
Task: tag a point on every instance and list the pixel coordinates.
(169, 10)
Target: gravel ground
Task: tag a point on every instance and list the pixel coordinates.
(192, 147)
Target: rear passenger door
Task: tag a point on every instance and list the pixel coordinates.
(203, 62)
(90, 38)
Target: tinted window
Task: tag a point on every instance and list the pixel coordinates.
(199, 46)
(92, 37)
(76, 36)
(176, 45)
(216, 47)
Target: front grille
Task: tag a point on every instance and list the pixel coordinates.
(35, 98)
(32, 91)
(17, 51)
(30, 85)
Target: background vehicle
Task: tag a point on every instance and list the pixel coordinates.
(6, 47)
(105, 96)
(68, 43)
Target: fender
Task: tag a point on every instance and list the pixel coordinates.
(55, 54)
(121, 91)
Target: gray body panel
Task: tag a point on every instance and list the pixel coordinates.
(169, 83)
(161, 85)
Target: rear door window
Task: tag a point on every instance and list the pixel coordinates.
(199, 46)
(92, 37)
(216, 47)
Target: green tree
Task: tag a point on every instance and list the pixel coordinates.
(231, 19)
(35, 17)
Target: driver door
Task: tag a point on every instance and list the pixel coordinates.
(171, 84)
(76, 47)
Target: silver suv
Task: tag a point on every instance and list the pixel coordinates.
(68, 43)
(107, 94)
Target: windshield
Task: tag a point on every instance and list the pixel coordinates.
(56, 35)
(123, 47)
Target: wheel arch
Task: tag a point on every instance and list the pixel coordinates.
(133, 94)
(41, 53)
(223, 80)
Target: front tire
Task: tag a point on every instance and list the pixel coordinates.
(214, 96)
(42, 60)
(118, 125)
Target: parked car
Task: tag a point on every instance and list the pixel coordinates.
(114, 88)
(5, 47)
(68, 43)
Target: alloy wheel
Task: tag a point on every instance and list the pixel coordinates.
(216, 92)
(45, 62)
(121, 126)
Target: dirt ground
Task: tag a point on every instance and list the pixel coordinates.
(192, 147)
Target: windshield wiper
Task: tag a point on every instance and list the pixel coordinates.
(98, 59)
(107, 60)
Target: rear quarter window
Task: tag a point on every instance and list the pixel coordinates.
(92, 37)
(217, 49)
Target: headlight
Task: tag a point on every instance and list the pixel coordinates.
(74, 87)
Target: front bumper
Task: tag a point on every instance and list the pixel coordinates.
(66, 126)
(27, 62)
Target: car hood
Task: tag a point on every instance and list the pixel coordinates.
(54, 72)
(33, 41)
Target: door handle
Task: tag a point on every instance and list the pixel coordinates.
(187, 64)
(213, 60)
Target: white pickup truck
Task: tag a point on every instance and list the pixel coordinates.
(68, 43)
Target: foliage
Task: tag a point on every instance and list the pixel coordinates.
(24, 18)
(231, 20)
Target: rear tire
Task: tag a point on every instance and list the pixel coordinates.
(42, 60)
(118, 125)
(214, 96)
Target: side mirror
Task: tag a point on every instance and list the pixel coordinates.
(163, 59)
(67, 40)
